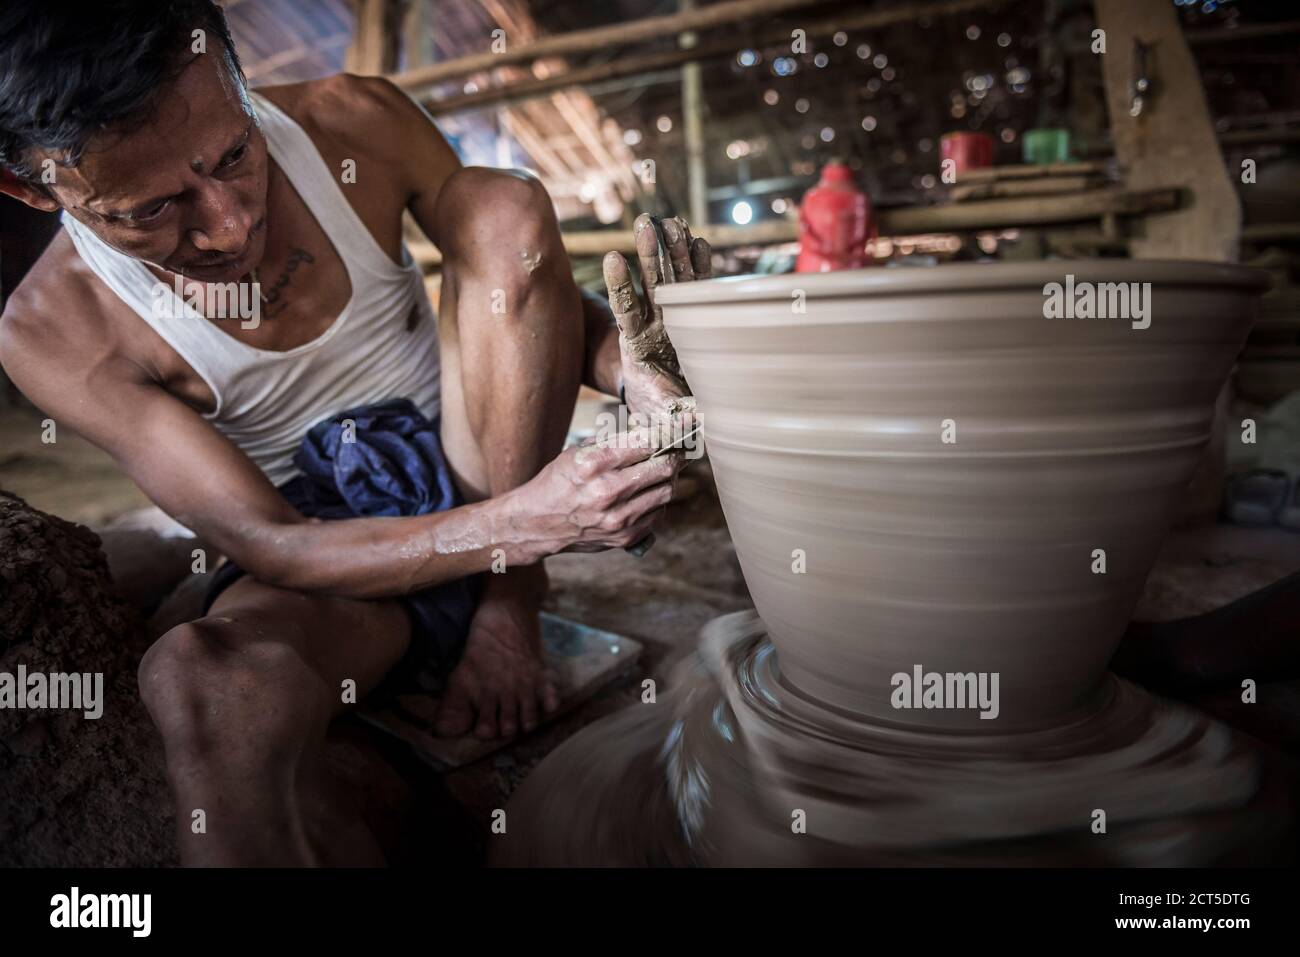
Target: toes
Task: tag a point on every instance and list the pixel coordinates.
(509, 713)
(487, 715)
(550, 693)
(528, 710)
(455, 712)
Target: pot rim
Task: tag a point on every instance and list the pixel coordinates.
(960, 277)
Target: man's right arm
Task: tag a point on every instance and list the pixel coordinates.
(587, 499)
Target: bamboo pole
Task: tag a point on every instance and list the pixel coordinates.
(693, 129)
(1044, 186)
(374, 45)
(1255, 31)
(908, 221)
(667, 60)
(991, 174)
(1271, 232)
(599, 38)
(1252, 137)
(1027, 211)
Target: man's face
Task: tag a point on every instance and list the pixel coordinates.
(185, 190)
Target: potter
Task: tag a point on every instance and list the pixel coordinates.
(186, 200)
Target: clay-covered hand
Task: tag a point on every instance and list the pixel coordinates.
(652, 379)
(597, 496)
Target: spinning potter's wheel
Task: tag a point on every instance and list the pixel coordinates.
(735, 767)
(922, 472)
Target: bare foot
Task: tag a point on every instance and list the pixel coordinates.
(500, 684)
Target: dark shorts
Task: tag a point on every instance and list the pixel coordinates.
(385, 460)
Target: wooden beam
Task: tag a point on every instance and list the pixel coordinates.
(1271, 232)
(992, 173)
(1040, 186)
(1253, 31)
(909, 221)
(1027, 211)
(718, 47)
(575, 108)
(1253, 137)
(763, 187)
(654, 28)
(599, 38)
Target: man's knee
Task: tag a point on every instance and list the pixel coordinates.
(497, 214)
(208, 687)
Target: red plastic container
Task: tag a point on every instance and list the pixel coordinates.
(967, 150)
(834, 223)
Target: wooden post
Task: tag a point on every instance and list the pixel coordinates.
(1170, 143)
(417, 34)
(697, 187)
(374, 44)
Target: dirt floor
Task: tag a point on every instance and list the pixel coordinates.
(429, 819)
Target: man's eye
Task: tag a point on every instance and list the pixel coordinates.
(152, 213)
(233, 158)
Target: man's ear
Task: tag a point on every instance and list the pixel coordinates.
(25, 192)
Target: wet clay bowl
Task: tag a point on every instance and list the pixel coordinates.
(1019, 546)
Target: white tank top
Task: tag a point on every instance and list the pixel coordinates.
(267, 401)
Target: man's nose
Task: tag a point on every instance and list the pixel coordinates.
(221, 222)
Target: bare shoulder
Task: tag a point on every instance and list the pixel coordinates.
(367, 117)
(56, 326)
(53, 304)
(368, 112)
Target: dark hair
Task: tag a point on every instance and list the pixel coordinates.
(69, 70)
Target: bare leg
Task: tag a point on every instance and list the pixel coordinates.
(243, 699)
(511, 331)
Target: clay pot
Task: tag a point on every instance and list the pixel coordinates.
(919, 468)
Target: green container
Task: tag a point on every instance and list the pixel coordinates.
(1046, 146)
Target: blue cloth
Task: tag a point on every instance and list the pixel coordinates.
(385, 460)
(377, 460)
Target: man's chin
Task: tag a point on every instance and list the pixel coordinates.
(231, 271)
(227, 270)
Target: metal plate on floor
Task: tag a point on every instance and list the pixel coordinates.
(584, 660)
